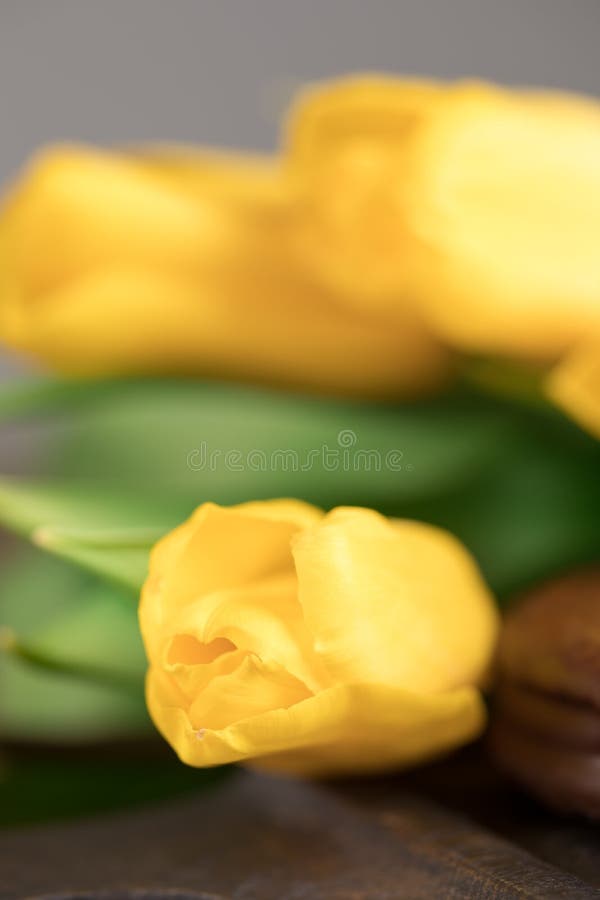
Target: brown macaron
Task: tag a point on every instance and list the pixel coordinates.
(545, 728)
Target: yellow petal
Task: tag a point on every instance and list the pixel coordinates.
(241, 181)
(574, 385)
(399, 603)
(345, 729)
(291, 514)
(217, 549)
(255, 687)
(263, 326)
(263, 618)
(346, 143)
(77, 208)
(504, 201)
(295, 512)
(191, 666)
(325, 117)
(115, 265)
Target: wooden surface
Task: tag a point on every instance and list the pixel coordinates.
(453, 830)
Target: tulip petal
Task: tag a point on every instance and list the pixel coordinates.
(239, 180)
(218, 549)
(192, 677)
(347, 143)
(233, 546)
(400, 603)
(253, 688)
(262, 321)
(345, 729)
(77, 208)
(505, 205)
(263, 618)
(118, 265)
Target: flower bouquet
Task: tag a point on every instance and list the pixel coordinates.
(328, 413)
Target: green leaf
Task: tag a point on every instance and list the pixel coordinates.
(42, 705)
(121, 556)
(24, 397)
(82, 678)
(95, 638)
(69, 506)
(109, 532)
(46, 787)
(517, 484)
(172, 439)
(143, 455)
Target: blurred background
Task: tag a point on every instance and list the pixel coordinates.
(222, 72)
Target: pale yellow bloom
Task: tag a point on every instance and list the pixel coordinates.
(480, 203)
(505, 202)
(169, 261)
(574, 385)
(314, 643)
(346, 145)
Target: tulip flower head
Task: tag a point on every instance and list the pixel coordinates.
(314, 643)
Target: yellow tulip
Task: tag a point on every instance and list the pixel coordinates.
(314, 643)
(505, 202)
(481, 203)
(177, 262)
(346, 150)
(574, 385)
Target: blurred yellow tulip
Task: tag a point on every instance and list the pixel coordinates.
(179, 262)
(505, 204)
(481, 204)
(314, 643)
(346, 144)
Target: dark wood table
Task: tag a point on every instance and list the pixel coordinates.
(455, 829)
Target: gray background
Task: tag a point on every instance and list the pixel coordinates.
(221, 72)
